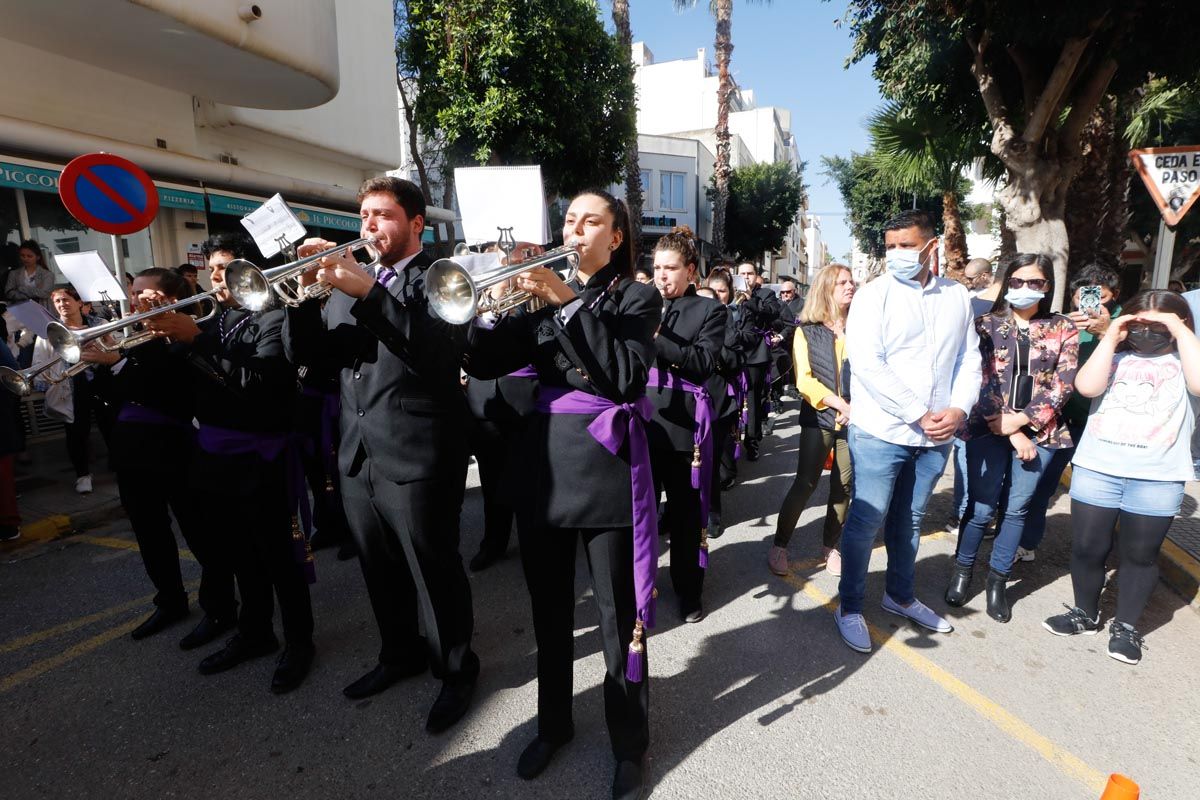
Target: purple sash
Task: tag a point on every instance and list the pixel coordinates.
(702, 446)
(524, 372)
(616, 423)
(133, 412)
(268, 447)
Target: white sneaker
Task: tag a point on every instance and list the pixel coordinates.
(918, 612)
(1025, 555)
(833, 562)
(84, 485)
(853, 628)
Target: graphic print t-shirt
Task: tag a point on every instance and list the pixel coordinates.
(1141, 427)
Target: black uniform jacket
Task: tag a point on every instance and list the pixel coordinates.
(605, 349)
(729, 364)
(402, 403)
(155, 375)
(688, 344)
(243, 382)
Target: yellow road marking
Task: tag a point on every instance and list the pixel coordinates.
(124, 544)
(70, 654)
(1003, 719)
(21, 642)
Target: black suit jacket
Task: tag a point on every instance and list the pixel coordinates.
(605, 349)
(402, 403)
(689, 344)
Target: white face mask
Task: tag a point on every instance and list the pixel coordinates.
(905, 264)
(1023, 298)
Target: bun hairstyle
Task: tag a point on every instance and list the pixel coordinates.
(681, 240)
(622, 257)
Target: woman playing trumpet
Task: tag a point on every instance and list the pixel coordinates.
(592, 348)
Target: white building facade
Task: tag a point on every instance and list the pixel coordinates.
(222, 103)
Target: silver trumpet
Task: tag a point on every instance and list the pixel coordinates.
(68, 344)
(457, 296)
(251, 286)
(21, 383)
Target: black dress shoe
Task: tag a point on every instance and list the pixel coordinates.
(715, 529)
(347, 551)
(383, 676)
(237, 650)
(538, 754)
(292, 667)
(629, 783)
(751, 451)
(452, 702)
(728, 483)
(206, 631)
(484, 559)
(161, 618)
(997, 600)
(691, 611)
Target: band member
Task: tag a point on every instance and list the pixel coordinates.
(154, 443)
(756, 314)
(403, 451)
(245, 402)
(592, 347)
(723, 388)
(687, 347)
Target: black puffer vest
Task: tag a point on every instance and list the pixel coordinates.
(822, 360)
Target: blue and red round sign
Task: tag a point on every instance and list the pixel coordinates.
(108, 193)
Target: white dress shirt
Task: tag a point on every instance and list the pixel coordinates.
(912, 349)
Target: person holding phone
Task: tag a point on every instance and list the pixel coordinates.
(1029, 358)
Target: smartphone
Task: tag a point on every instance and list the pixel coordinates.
(1089, 300)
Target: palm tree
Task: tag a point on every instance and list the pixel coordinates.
(915, 151)
(722, 11)
(633, 171)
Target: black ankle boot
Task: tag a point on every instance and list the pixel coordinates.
(960, 582)
(997, 601)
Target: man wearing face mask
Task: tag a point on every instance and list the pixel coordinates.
(915, 372)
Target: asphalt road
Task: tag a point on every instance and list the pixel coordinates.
(760, 700)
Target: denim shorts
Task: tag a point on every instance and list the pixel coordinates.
(1135, 495)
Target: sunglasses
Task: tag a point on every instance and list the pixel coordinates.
(1146, 327)
(1037, 284)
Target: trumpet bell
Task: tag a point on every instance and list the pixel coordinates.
(247, 284)
(15, 382)
(451, 291)
(65, 342)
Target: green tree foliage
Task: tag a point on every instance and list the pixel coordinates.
(523, 82)
(764, 200)
(871, 200)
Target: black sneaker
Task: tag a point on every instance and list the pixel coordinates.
(1071, 623)
(1124, 643)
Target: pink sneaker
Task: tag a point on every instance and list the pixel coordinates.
(777, 560)
(833, 562)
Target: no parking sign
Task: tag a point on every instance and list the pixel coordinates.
(108, 193)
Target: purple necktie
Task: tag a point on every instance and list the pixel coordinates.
(385, 276)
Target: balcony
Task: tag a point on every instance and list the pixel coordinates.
(272, 54)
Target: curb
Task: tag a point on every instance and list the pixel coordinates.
(55, 526)
(1180, 570)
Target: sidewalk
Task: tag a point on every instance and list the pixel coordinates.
(1180, 559)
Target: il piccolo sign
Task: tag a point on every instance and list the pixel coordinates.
(1172, 176)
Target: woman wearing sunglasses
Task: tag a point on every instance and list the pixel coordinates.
(1132, 462)
(1029, 361)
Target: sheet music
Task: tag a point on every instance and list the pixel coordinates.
(491, 198)
(31, 315)
(90, 276)
(272, 222)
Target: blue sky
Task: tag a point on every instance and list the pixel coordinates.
(792, 55)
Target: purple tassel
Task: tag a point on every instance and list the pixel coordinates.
(695, 477)
(737, 450)
(633, 667)
(703, 558)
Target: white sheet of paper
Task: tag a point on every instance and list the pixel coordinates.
(90, 276)
(476, 263)
(32, 315)
(502, 197)
(270, 222)
(739, 283)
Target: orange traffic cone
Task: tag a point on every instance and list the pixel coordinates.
(1120, 788)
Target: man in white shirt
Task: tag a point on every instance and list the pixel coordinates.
(915, 373)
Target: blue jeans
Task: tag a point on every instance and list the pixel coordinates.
(960, 479)
(892, 485)
(1035, 520)
(989, 459)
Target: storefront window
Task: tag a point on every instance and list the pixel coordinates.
(58, 232)
(10, 232)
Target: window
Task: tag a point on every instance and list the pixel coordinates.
(58, 232)
(646, 178)
(671, 195)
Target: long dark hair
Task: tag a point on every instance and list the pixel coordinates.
(1000, 307)
(1158, 300)
(35, 248)
(622, 257)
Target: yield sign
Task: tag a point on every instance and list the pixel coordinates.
(1172, 175)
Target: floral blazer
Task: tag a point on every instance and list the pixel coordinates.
(1053, 360)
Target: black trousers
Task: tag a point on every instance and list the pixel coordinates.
(150, 497)
(85, 402)
(726, 466)
(673, 474)
(407, 536)
(548, 556)
(756, 376)
(320, 471)
(257, 531)
(494, 447)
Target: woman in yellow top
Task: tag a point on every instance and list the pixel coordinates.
(819, 354)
